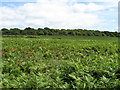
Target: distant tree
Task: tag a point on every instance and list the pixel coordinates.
(106, 33)
(45, 32)
(50, 33)
(71, 33)
(5, 31)
(78, 33)
(40, 32)
(46, 28)
(23, 32)
(62, 32)
(65, 33)
(30, 31)
(39, 29)
(83, 33)
(15, 31)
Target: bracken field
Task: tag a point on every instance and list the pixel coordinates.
(60, 62)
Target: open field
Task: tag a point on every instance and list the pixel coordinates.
(60, 62)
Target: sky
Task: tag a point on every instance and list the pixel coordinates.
(60, 14)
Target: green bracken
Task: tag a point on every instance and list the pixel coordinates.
(60, 62)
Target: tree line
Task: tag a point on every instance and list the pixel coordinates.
(48, 31)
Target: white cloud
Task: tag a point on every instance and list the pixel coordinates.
(17, 0)
(81, 0)
(60, 0)
(53, 14)
(89, 7)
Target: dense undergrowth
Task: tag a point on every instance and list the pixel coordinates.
(60, 62)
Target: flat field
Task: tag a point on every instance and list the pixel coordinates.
(60, 62)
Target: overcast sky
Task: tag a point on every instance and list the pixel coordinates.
(68, 14)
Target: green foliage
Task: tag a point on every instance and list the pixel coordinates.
(48, 31)
(60, 62)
